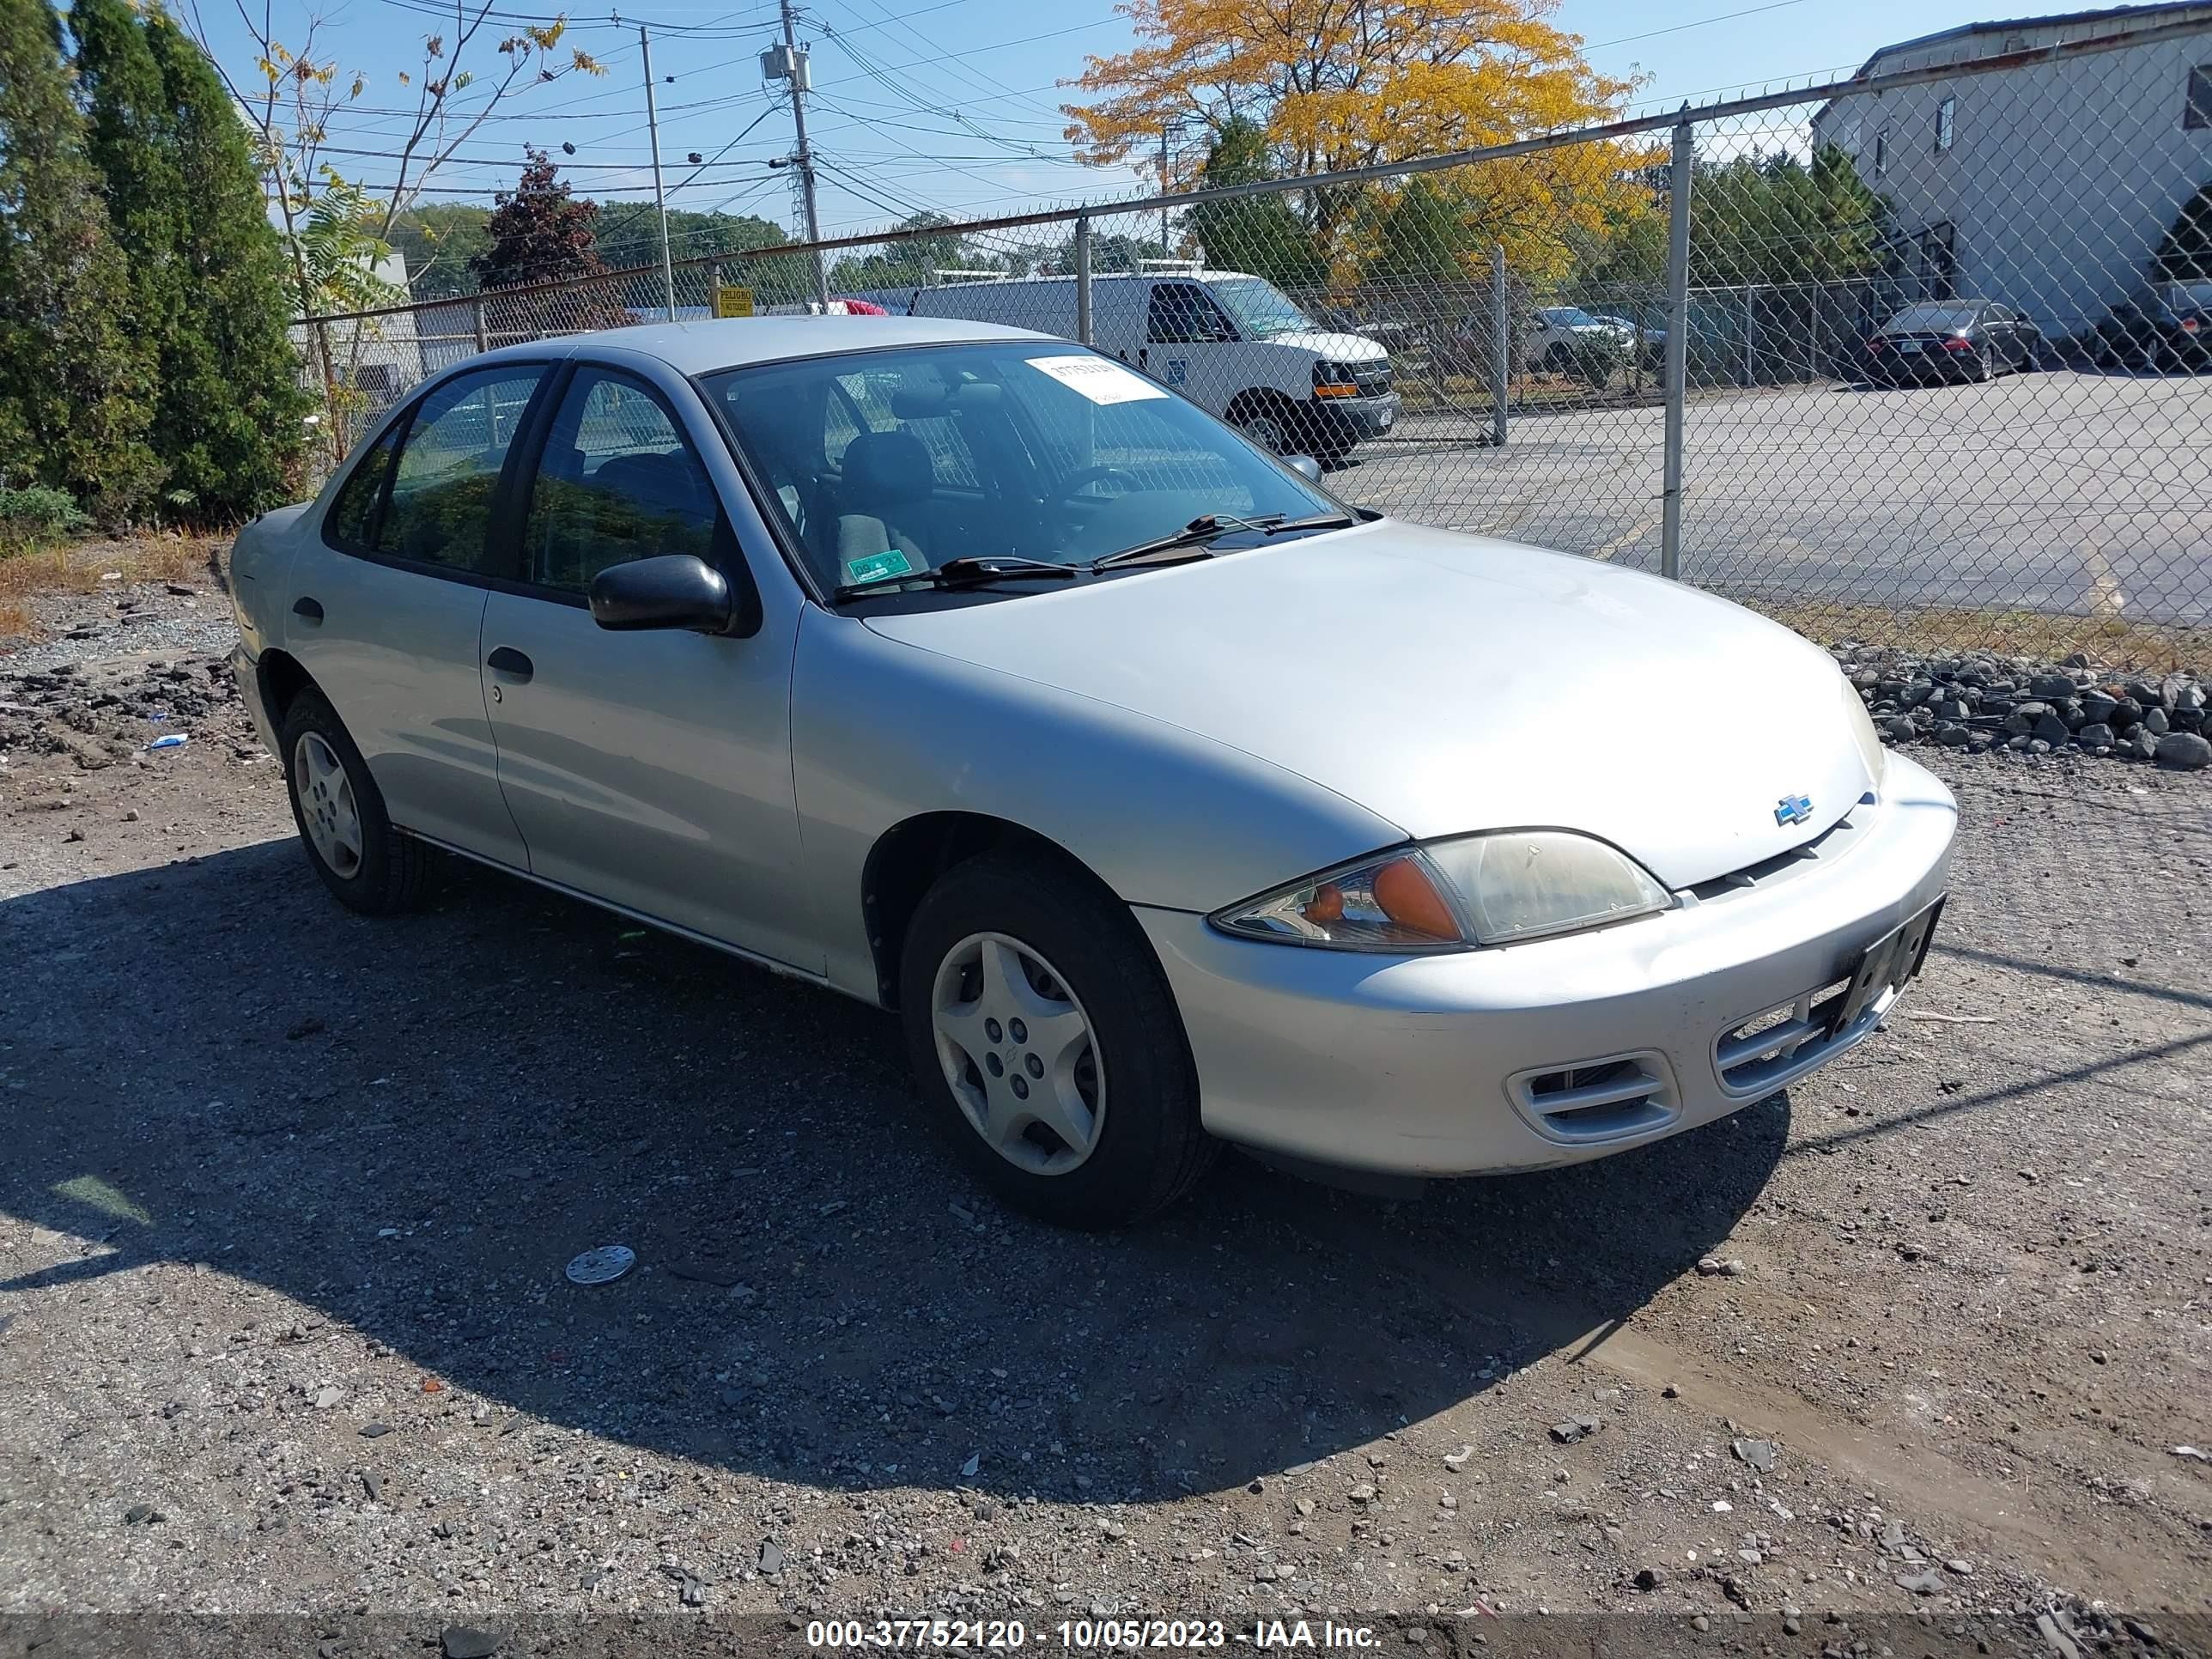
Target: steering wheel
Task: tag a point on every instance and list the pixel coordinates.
(1089, 475)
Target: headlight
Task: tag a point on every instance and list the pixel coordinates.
(1863, 733)
(1453, 894)
(1334, 380)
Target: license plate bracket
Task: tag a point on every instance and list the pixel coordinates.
(1889, 962)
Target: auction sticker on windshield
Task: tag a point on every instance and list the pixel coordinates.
(1096, 379)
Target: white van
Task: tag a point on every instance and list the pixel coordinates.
(1232, 344)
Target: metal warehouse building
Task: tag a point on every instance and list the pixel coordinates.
(2047, 186)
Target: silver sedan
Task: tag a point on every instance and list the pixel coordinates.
(1168, 801)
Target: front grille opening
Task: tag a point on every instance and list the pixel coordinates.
(1558, 1082)
(1831, 842)
(1755, 1053)
(1598, 1099)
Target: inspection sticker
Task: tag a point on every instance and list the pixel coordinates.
(877, 566)
(1096, 379)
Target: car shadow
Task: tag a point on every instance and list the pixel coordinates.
(409, 1127)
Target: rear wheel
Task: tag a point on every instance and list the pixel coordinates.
(1043, 1035)
(348, 837)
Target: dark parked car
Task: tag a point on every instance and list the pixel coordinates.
(2167, 326)
(1954, 340)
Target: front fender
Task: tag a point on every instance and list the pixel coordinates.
(883, 730)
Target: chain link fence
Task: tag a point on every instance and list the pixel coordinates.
(1916, 360)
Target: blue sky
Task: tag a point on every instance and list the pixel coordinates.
(947, 104)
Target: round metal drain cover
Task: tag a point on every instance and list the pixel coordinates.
(603, 1265)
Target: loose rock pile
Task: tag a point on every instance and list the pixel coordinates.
(1984, 702)
(109, 711)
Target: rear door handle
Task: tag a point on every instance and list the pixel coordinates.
(307, 610)
(508, 661)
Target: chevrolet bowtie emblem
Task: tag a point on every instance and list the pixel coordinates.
(1792, 809)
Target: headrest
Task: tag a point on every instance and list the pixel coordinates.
(883, 469)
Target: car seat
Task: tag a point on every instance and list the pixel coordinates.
(884, 497)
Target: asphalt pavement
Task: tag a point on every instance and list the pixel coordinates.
(2060, 491)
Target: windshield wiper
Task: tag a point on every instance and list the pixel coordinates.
(1211, 526)
(963, 572)
(1316, 521)
(1206, 527)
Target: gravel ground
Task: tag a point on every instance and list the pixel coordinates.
(289, 1194)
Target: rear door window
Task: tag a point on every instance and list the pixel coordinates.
(448, 471)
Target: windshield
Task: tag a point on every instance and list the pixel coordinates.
(1930, 318)
(1259, 307)
(883, 463)
(2190, 296)
(1568, 317)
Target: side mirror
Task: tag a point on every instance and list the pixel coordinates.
(676, 590)
(1305, 466)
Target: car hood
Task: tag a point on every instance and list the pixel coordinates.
(1451, 683)
(1338, 347)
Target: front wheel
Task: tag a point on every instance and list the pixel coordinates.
(1266, 427)
(1043, 1035)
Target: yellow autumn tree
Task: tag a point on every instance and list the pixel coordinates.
(1351, 83)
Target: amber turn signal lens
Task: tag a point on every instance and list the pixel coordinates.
(1409, 898)
(1325, 908)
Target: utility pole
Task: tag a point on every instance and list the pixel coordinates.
(1166, 127)
(659, 196)
(790, 65)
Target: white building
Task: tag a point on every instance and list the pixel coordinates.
(2045, 186)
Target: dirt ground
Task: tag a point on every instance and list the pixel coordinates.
(287, 1195)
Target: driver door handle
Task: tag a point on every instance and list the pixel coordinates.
(508, 661)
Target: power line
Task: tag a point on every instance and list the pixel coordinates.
(1677, 29)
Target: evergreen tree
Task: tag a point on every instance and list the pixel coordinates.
(127, 137)
(1422, 238)
(1260, 234)
(233, 407)
(75, 390)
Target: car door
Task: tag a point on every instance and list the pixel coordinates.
(649, 770)
(2003, 325)
(387, 616)
(1191, 345)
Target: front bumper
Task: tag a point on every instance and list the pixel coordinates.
(1354, 418)
(1423, 1065)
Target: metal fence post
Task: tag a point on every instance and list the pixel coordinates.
(1501, 345)
(483, 338)
(1082, 280)
(1678, 345)
(1748, 378)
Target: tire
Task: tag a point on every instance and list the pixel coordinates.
(1114, 1008)
(376, 870)
(1985, 367)
(1557, 360)
(1269, 425)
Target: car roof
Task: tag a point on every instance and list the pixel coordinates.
(703, 347)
